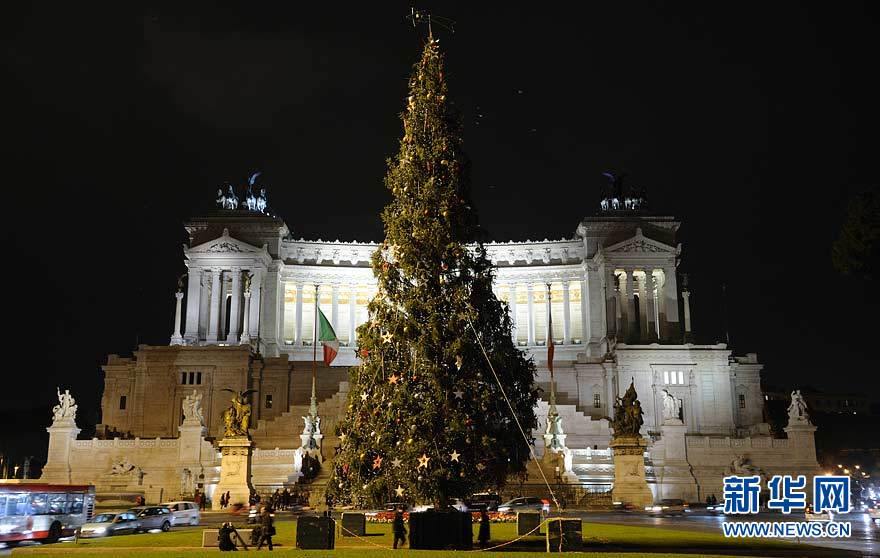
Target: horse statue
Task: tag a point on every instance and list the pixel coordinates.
(262, 201)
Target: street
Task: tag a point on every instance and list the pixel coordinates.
(865, 536)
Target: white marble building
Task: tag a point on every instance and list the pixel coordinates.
(618, 316)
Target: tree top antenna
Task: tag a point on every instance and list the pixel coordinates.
(418, 17)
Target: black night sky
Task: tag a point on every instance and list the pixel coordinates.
(754, 124)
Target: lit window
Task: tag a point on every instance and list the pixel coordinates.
(674, 377)
(122, 402)
(681, 377)
(597, 400)
(742, 401)
(268, 401)
(665, 376)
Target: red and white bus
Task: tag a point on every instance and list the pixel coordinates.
(43, 512)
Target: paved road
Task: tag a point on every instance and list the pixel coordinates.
(865, 535)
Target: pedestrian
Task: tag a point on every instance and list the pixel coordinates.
(398, 527)
(222, 501)
(224, 537)
(484, 529)
(227, 498)
(198, 499)
(267, 525)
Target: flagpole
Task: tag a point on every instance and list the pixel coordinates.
(550, 342)
(313, 407)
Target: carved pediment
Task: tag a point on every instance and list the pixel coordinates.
(224, 245)
(641, 244)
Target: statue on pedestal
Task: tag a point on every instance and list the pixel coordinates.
(65, 410)
(628, 414)
(237, 418)
(192, 408)
(797, 410)
(671, 406)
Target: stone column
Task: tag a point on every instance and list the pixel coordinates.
(643, 311)
(651, 321)
(299, 314)
(269, 316)
(334, 306)
(547, 325)
(512, 304)
(611, 309)
(204, 305)
(235, 307)
(214, 308)
(352, 315)
(586, 315)
(531, 300)
(661, 308)
(245, 338)
(566, 315)
(670, 299)
(282, 318)
(176, 338)
(686, 297)
(631, 320)
(193, 302)
(256, 292)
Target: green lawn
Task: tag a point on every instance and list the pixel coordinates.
(600, 540)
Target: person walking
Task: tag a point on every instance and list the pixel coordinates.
(398, 528)
(222, 501)
(227, 498)
(267, 525)
(483, 536)
(197, 499)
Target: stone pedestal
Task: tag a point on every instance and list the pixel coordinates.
(802, 439)
(62, 433)
(630, 484)
(189, 444)
(235, 471)
(675, 478)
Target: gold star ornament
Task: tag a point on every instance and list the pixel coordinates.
(387, 337)
(399, 490)
(454, 455)
(423, 461)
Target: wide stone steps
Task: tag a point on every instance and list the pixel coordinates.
(581, 430)
(283, 431)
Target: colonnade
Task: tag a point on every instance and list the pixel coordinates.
(642, 304)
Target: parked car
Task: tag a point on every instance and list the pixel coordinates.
(108, 524)
(484, 501)
(455, 503)
(153, 517)
(392, 506)
(669, 506)
(525, 503)
(184, 513)
(810, 515)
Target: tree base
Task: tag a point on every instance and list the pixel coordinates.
(440, 530)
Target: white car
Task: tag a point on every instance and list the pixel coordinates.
(874, 514)
(810, 515)
(184, 513)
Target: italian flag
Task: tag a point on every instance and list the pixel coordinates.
(327, 337)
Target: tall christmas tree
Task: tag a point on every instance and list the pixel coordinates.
(428, 418)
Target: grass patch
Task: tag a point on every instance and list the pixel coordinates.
(600, 539)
